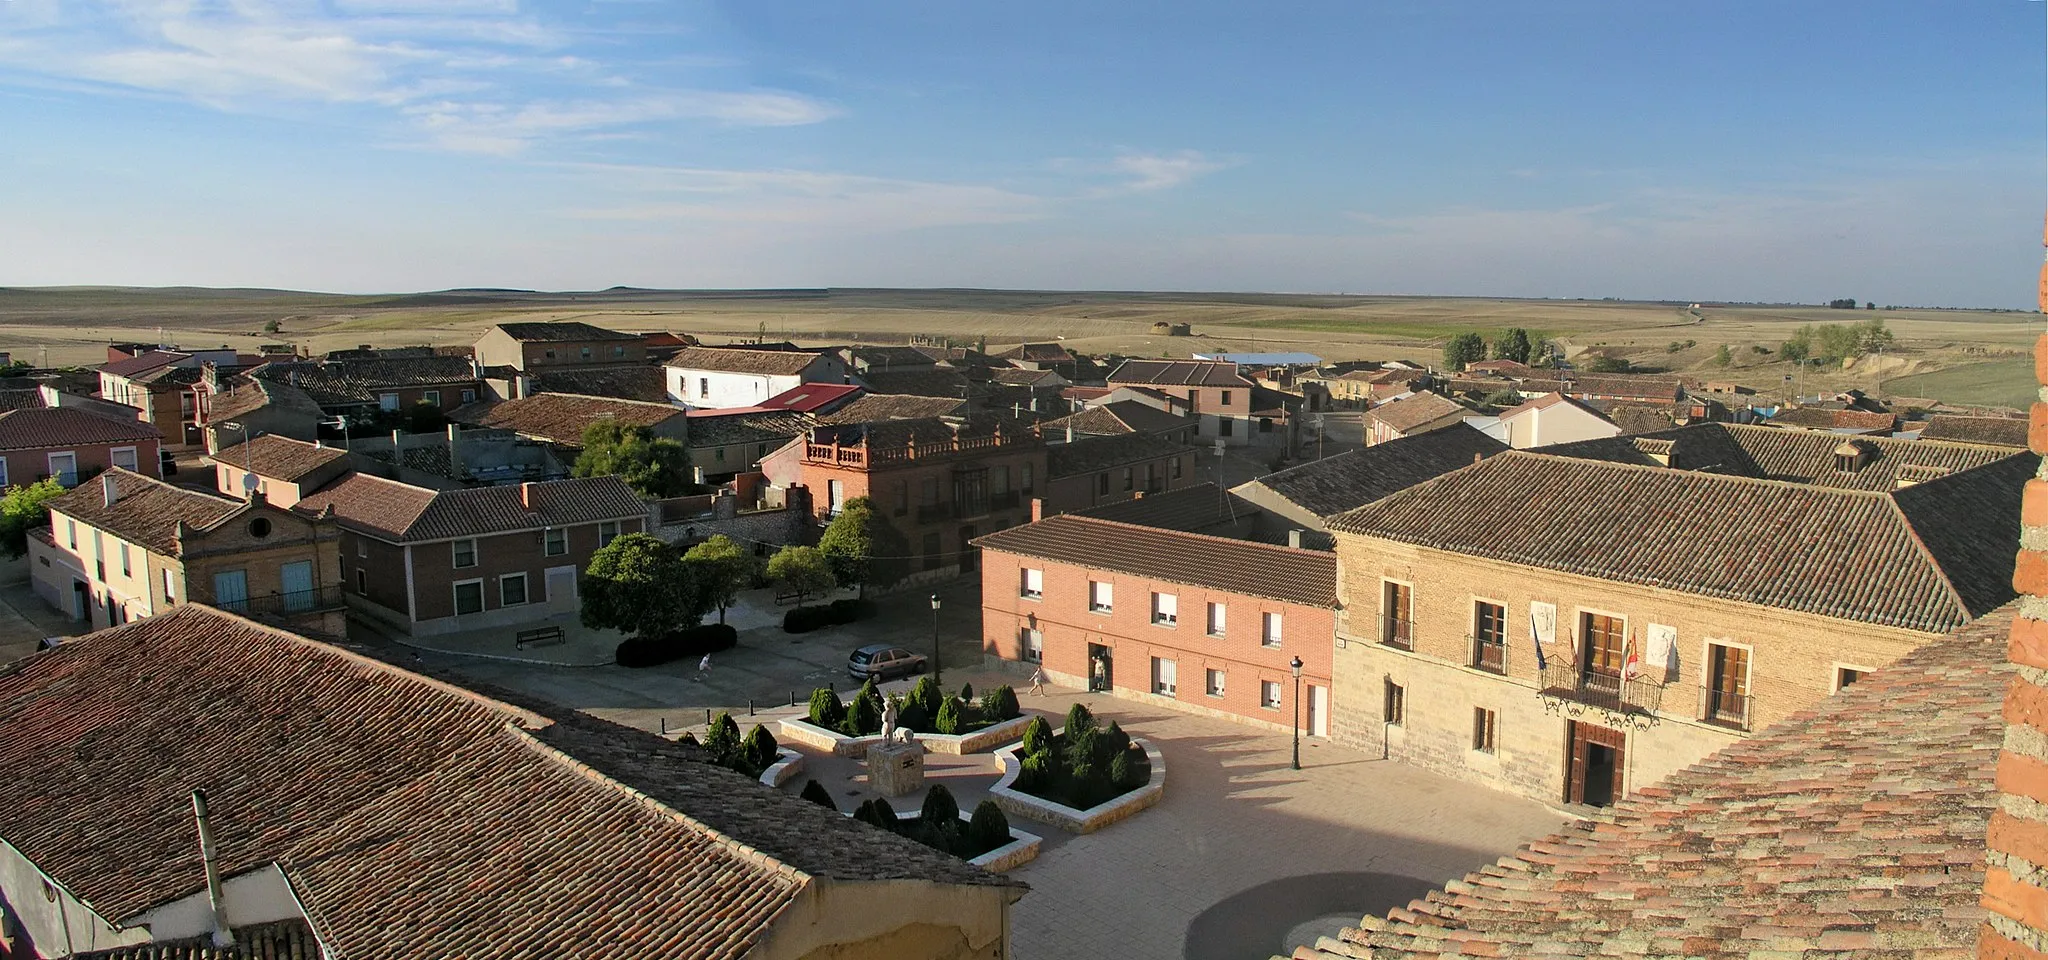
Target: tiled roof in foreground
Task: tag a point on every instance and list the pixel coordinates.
(1855, 828)
(1307, 577)
(412, 818)
(1347, 481)
(401, 512)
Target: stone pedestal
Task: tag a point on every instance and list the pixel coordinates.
(896, 768)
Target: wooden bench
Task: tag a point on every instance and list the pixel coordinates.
(539, 637)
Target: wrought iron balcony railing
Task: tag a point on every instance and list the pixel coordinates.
(1569, 681)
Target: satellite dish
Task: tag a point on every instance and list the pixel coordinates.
(248, 483)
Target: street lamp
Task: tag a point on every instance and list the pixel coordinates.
(936, 678)
(1295, 666)
(248, 461)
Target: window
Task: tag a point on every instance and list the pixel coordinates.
(1226, 398)
(362, 580)
(931, 551)
(465, 553)
(1269, 694)
(1216, 616)
(720, 457)
(1482, 729)
(1026, 474)
(1396, 606)
(512, 589)
(835, 498)
(1127, 479)
(703, 387)
(1165, 609)
(1033, 587)
(1845, 676)
(99, 557)
(1101, 598)
(1489, 636)
(71, 533)
(1603, 641)
(1726, 696)
(64, 466)
(123, 457)
(1214, 684)
(550, 354)
(1173, 468)
(469, 396)
(126, 571)
(618, 352)
(3, 471)
(998, 481)
(1396, 709)
(170, 588)
(387, 401)
(432, 397)
(1163, 677)
(362, 547)
(555, 542)
(1033, 644)
(469, 597)
(607, 532)
(1102, 484)
(1269, 629)
(586, 353)
(1223, 426)
(760, 450)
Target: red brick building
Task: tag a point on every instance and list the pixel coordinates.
(68, 444)
(1218, 396)
(1195, 622)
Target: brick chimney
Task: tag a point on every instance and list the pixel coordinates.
(1037, 509)
(526, 495)
(2016, 858)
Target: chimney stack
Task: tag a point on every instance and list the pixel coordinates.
(1037, 509)
(455, 448)
(526, 494)
(209, 856)
(109, 490)
(1294, 538)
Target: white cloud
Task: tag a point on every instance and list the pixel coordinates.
(1163, 171)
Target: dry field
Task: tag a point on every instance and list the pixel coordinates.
(71, 325)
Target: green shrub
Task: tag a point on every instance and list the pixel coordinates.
(1083, 749)
(912, 714)
(925, 693)
(1120, 769)
(1000, 704)
(826, 710)
(1037, 737)
(989, 829)
(939, 806)
(967, 692)
(723, 738)
(885, 815)
(1137, 770)
(1034, 776)
(949, 719)
(865, 813)
(689, 738)
(864, 715)
(807, 619)
(1113, 741)
(760, 748)
(815, 793)
(675, 645)
(1079, 718)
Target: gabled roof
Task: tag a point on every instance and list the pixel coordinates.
(143, 363)
(754, 426)
(1499, 367)
(1012, 376)
(52, 427)
(877, 407)
(1419, 410)
(1890, 558)
(1037, 353)
(1801, 456)
(810, 397)
(1190, 509)
(359, 381)
(623, 382)
(1122, 416)
(562, 417)
(886, 356)
(1178, 373)
(1627, 386)
(401, 512)
(278, 457)
(2007, 431)
(779, 363)
(920, 382)
(1855, 828)
(1347, 481)
(561, 331)
(1843, 419)
(255, 394)
(1090, 454)
(146, 511)
(1549, 400)
(1306, 577)
(412, 818)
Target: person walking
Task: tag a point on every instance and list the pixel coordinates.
(703, 666)
(1038, 681)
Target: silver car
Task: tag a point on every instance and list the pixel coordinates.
(881, 661)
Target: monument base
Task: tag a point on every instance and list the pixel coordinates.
(896, 768)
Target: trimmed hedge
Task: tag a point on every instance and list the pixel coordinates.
(851, 610)
(807, 619)
(938, 824)
(1085, 765)
(862, 715)
(682, 644)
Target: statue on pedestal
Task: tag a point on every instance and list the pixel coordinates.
(889, 715)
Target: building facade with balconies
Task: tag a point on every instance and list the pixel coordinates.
(1578, 624)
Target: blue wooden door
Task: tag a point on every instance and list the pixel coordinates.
(298, 585)
(231, 590)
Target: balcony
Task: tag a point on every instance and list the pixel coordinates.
(1567, 681)
(279, 606)
(1724, 709)
(1397, 633)
(1490, 654)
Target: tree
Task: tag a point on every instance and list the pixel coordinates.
(847, 544)
(801, 571)
(1872, 335)
(1722, 356)
(719, 568)
(272, 326)
(1463, 349)
(638, 584)
(1513, 344)
(23, 509)
(654, 466)
(1607, 364)
(1504, 397)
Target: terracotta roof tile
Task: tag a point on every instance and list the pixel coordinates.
(1178, 373)
(1802, 456)
(1347, 481)
(561, 331)
(1189, 509)
(644, 383)
(1037, 353)
(359, 381)
(278, 457)
(1307, 577)
(1090, 454)
(142, 362)
(562, 417)
(2007, 431)
(1410, 412)
(944, 382)
(783, 363)
(763, 426)
(255, 394)
(1123, 416)
(1817, 418)
(145, 511)
(35, 428)
(875, 407)
(402, 512)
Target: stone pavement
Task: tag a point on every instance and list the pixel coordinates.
(1244, 857)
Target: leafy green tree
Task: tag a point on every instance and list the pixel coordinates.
(989, 828)
(1504, 397)
(1513, 344)
(638, 584)
(826, 710)
(654, 466)
(25, 508)
(722, 738)
(847, 543)
(1723, 357)
(719, 568)
(1872, 335)
(1463, 350)
(948, 721)
(801, 571)
(761, 749)
(1607, 364)
(1798, 346)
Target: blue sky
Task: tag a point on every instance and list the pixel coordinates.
(1767, 150)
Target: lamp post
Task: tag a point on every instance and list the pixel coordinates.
(936, 677)
(248, 461)
(1295, 666)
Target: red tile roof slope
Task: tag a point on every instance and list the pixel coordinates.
(1819, 418)
(36, 428)
(142, 362)
(146, 510)
(562, 417)
(413, 818)
(280, 457)
(783, 363)
(398, 511)
(1801, 456)
(1332, 485)
(1855, 828)
(1423, 408)
(2009, 431)
(1307, 577)
(1178, 373)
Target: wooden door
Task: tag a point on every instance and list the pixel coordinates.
(1603, 645)
(1580, 741)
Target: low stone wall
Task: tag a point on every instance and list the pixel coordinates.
(1017, 803)
(841, 745)
(1022, 848)
(785, 769)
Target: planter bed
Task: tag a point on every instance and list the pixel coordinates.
(1022, 848)
(784, 769)
(958, 744)
(824, 727)
(1017, 803)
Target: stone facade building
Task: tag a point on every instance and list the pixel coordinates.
(534, 348)
(1680, 591)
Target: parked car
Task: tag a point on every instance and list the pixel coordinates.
(882, 662)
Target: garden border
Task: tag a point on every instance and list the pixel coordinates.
(788, 764)
(1017, 803)
(800, 730)
(1022, 848)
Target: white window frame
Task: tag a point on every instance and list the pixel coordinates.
(607, 531)
(1273, 626)
(134, 458)
(1032, 584)
(3, 471)
(1031, 643)
(455, 594)
(1165, 609)
(121, 547)
(1217, 623)
(469, 396)
(71, 533)
(525, 590)
(432, 396)
(455, 556)
(1101, 596)
(387, 401)
(547, 542)
(71, 455)
(1213, 682)
(362, 581)
(170, 592)
(1270, 694)
(1165, 676)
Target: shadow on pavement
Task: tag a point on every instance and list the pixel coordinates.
(1275, 917)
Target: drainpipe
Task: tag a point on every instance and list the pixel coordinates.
(209, 855)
